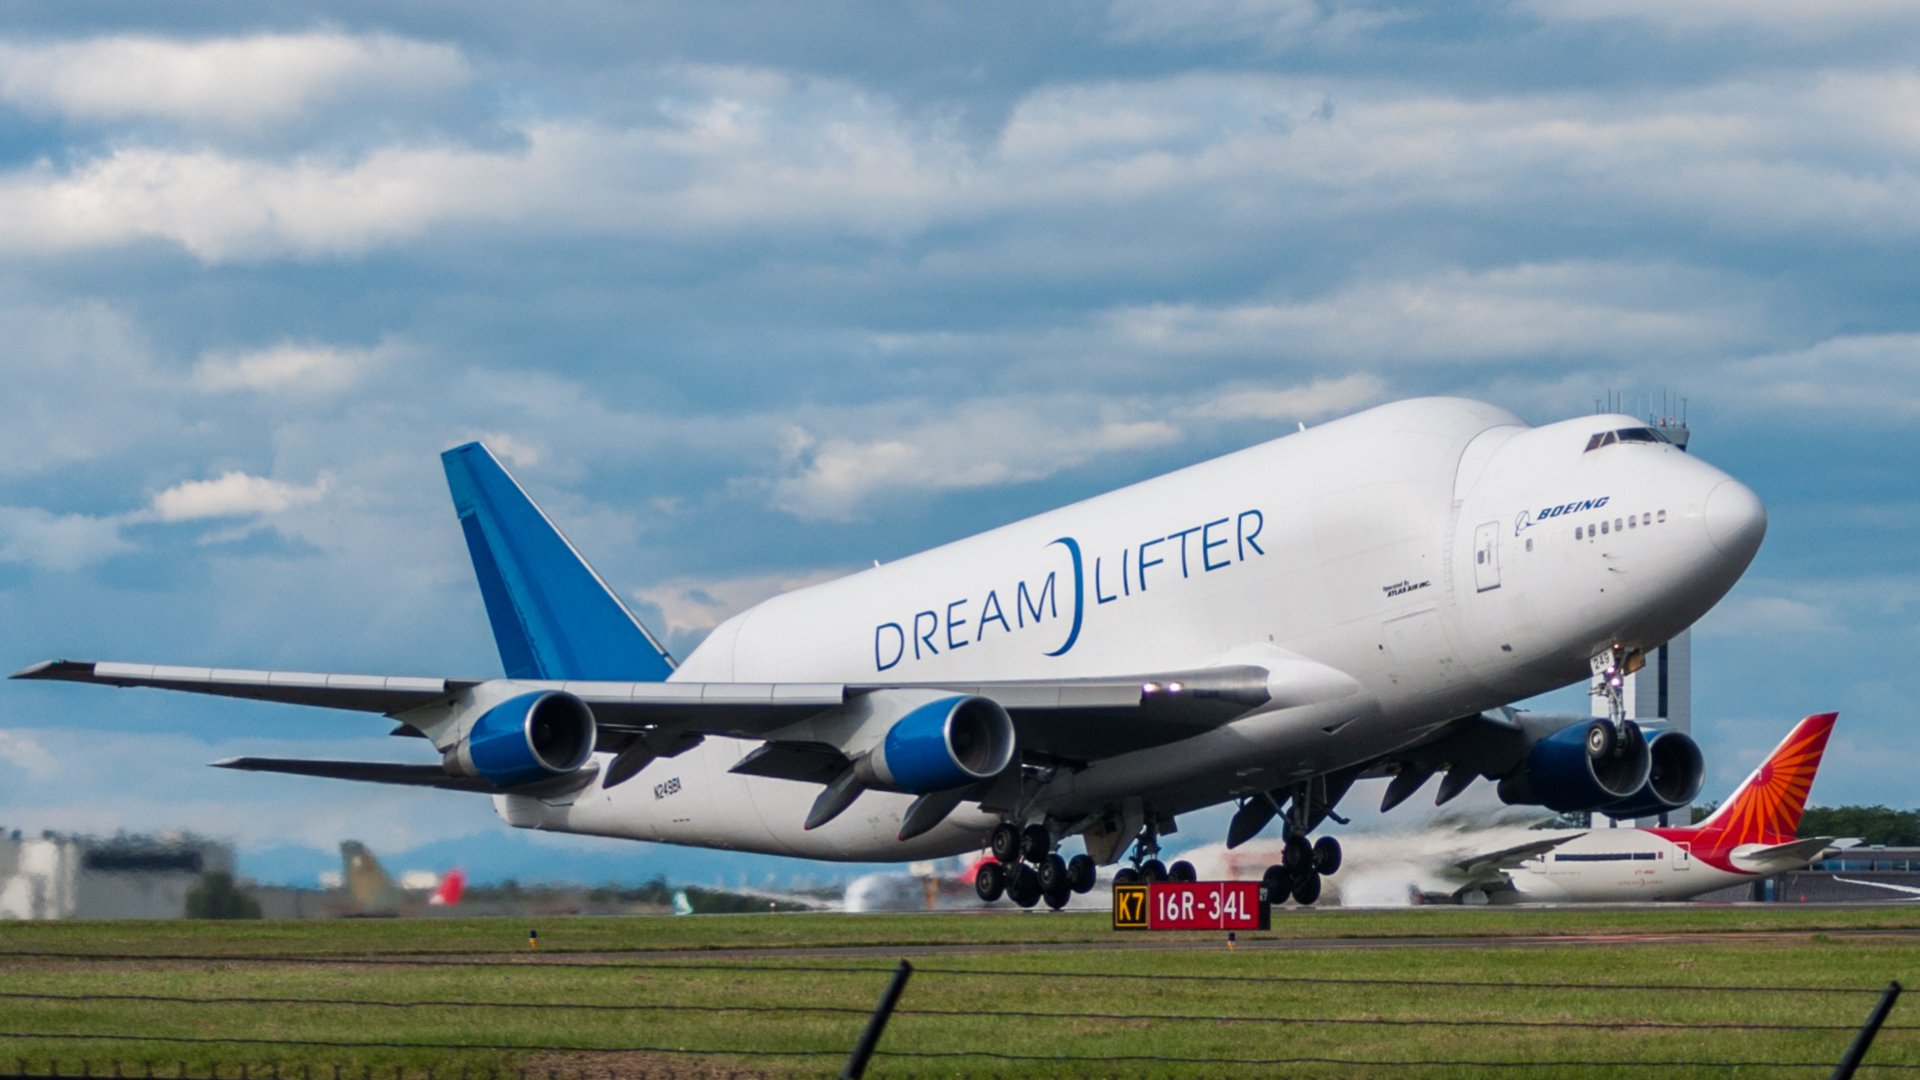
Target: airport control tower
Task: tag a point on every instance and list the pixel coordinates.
(1663, 689)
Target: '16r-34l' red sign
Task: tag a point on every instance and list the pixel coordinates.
(1190, 905)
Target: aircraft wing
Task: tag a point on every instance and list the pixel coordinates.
(1490, 865)
(1765, 856)
(1068, 719)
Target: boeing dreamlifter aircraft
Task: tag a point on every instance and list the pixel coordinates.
(1359, 599)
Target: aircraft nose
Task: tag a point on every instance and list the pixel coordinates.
(1736, 520)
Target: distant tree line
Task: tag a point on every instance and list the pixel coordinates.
(1872, 824)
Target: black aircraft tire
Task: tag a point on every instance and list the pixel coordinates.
(990, 881)
(1036, 843)
(1024, 889)
(1126, 875)
(1005, 843)
(1153, 870)
(1057, 898)
(1081, 872)
(1053, 875)
(1182, 871)
(1297, 855)
(1277, 882)
(1326, 855)
(1306, 890)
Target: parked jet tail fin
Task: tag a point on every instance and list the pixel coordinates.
(552, 616)
(1766, 807)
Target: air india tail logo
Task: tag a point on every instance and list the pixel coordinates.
(1766, 809)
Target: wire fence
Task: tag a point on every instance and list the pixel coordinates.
(37, 1051)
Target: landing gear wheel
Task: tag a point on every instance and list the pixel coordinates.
(1024, 888)
(1053, 875)
(1036, 843)
(1005, 844)
(1182, 871)
(1057, 899)
(1326, 855)
(990, 881)
(1126, 875)
(1277, 883)
(1599, 739)
(1154, 870)
(1297, 855)
(1080, 873)
(1306, 889)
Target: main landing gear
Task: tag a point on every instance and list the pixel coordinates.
(1027, 869)
(1147, 867)
(1302, 864)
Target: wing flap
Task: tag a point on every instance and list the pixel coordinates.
(375, 772)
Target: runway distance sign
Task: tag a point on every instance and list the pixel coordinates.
(1190, 905)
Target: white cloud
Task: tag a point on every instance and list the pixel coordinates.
(1274, 24)
(21, 750)
(1856, 375)
(697, 605)
(1518, 313)
(284, 367)
(515, 451)
(980, 444)
(1800, 20)
(232, 494)
(49, 541)
(1320, 398)
(240, 83)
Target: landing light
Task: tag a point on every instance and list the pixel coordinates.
(1174, 688)
(1150, 688)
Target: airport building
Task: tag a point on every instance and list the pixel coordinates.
(55, 876)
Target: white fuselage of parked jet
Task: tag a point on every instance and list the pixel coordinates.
(1393, 570)
(1610, 865)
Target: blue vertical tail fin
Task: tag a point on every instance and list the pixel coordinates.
(552, 616)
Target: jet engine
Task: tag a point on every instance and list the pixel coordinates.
(525, 739)
(1583, 766)
(1673, 782)
(941, 745)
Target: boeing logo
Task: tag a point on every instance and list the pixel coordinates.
(1061, 594)
(1524, 521)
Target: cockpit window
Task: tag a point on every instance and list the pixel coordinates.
(1632, 434)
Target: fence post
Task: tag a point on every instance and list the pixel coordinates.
(1864, 1040)
(877, 1023)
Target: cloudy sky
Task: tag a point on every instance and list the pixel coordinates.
(751, 295)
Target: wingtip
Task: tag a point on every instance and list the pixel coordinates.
(54, 669)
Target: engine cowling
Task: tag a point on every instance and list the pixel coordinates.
(525, 739)
(1675, 779)
(943, 744)
(1583, 766)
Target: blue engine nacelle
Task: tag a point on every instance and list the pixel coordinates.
(1678, 769)
(1582, 766)
(942, 745)
(526, 739)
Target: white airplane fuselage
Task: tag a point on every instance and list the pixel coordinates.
(1394, 569)
(1611, 865)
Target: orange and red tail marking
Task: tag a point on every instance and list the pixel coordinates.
(1766, 807)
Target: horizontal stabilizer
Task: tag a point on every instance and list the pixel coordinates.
(1793, 852)
(374, 772)
(387, 772)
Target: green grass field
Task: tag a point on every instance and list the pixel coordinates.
(629, 995)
